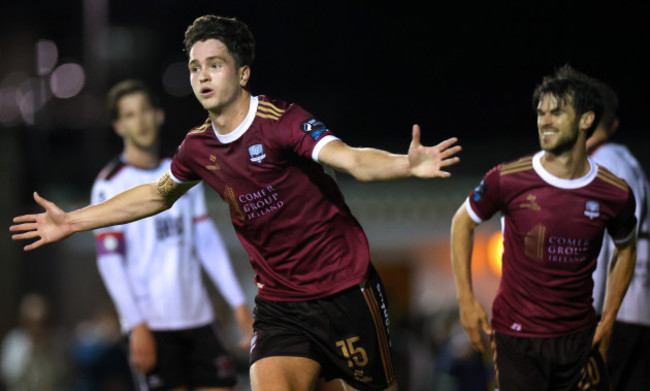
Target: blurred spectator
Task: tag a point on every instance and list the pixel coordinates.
(33, 355)
(99, 352)
(458, 367)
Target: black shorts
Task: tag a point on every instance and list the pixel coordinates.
(628, 358)
(539, 364)
(193, 357)
(347, 333)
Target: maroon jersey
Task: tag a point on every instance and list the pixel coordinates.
(553, 229)
(289, 215)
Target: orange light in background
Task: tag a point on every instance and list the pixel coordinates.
(495, 252)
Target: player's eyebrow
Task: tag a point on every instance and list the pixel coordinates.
(212, 58)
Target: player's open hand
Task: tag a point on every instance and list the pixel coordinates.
(474, 319)
(49, 226)
(427, 162)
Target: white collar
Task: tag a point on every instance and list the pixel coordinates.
(242, 128)
(563, 183)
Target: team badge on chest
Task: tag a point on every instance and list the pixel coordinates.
(257, 153)
(592, 209)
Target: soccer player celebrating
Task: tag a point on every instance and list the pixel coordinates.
(321, 309)
(556, 206)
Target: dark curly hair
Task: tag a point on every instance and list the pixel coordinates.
(568, 83)
(231, 32)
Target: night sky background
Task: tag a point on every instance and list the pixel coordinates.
(369, 71)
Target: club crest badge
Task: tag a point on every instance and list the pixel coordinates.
(257, 153)
(592, 209)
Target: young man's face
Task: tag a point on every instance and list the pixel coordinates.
(216, 80)
(557, 124)
(138, 122)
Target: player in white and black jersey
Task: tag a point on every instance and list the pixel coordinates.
(628, 356)
(152, 267)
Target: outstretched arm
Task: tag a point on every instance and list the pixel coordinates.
(621, 270)
(472, 314)
(55, 224)
(368, 164)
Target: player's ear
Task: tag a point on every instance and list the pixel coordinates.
(244, 75)
(159, 117)
(586, 120)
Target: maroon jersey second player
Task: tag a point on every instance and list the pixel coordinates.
(552, 235)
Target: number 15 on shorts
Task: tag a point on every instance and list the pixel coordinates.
(355, 355)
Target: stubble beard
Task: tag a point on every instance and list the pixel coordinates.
(563, 144)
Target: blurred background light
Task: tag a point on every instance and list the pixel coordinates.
(67, 80)
(47, 54)
(495, 252)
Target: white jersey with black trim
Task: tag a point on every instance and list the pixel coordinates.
(152, 267)
(635, 307)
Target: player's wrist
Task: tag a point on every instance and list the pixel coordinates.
(465, 297)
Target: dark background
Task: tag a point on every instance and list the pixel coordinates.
(368, 71)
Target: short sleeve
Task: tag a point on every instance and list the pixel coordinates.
(622, 227)
(484, 200)
(303, 133)
(181, 170)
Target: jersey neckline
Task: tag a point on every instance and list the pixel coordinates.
(560, 182)
(242, 128)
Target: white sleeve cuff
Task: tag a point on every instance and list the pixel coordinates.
(323, 142)
(471, 212)
(174, 178)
